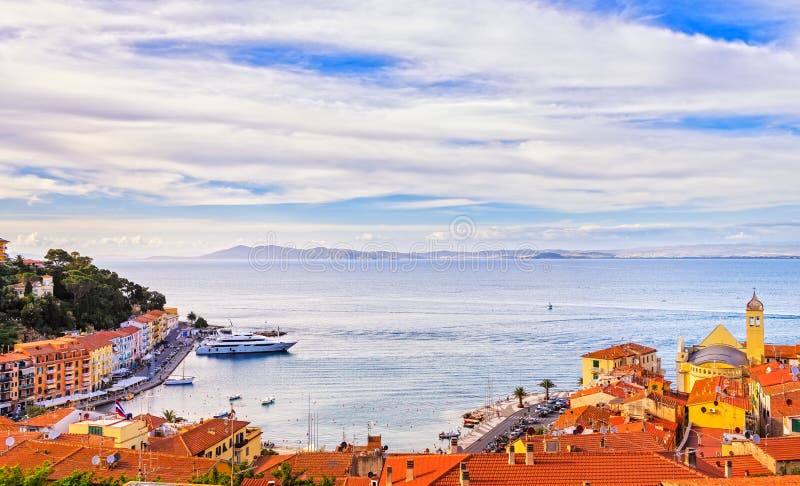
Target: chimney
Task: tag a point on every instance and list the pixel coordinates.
(454, 445)
(409, 470)
(728, 469)
(511, 456)
(529, 454)
(691, 458)
(463, 474)
(388, 475)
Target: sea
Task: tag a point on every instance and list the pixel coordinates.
(404, 348)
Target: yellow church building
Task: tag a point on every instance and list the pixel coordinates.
(720, 353)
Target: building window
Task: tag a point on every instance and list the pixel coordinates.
(596, 363)
(95, 430)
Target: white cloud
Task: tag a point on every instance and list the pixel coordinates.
(539, 107)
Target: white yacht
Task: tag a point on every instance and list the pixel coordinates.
(241, 343)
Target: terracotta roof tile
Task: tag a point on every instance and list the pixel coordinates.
(315, 464)
(153, 421)
(771, 374)
(730, 392)
(782, 448)
(428, 468)
(586, 392)
(620, 351)
(782, 388)
(562, 469)
(48, 419)
(95, 340)
(587, 416)
(196, 439)
(633, 441)
(353, 481)
(769, 480)
(13, 356)
(742, 466)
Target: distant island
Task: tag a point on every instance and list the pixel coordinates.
(276, 252)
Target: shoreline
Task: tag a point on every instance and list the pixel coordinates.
(158, 379)
(503, 410)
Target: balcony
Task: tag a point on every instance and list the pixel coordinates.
(68, 368)
(51, 382)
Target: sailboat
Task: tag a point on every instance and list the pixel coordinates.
(180, 380)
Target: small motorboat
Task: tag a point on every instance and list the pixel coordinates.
(234, 397)
(449, 435)
(268, 401)
(222, 415)
(549, 306)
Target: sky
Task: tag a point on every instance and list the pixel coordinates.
(138, 128)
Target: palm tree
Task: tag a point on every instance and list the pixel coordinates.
(191, 316)
(520, 393)
(170, 416)
(547, 385)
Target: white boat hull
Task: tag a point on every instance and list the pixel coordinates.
(179, 381)
(204, 349)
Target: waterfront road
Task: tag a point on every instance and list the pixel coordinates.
(503, 427)
(170, 354)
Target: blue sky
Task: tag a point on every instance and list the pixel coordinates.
(137, 128)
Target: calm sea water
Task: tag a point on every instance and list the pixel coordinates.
(404, 352)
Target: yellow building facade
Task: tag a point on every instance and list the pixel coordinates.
(597, 365)
(720, 353)
(719, 403)
(101, 352)
(3, 254)
(127, 434)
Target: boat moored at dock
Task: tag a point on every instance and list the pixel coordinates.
(241, 343)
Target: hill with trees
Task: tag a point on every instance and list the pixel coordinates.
(84, 298)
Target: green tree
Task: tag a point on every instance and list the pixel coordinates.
(9, 333)
(191, 316)
(289, 477)
(201, 323)
(15, 476)
(34, 411)
(519, 393)
(547, 385)
(170, 416)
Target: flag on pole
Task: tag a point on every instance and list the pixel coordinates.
(118, 408)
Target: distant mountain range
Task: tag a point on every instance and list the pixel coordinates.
(274, 252)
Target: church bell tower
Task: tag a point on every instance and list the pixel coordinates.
(755, 330)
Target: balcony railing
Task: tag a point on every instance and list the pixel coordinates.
(51, 382)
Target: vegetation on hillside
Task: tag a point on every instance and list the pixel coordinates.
(85, 297)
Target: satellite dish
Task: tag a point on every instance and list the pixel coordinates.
(795, 370)
(603, 429)
(780, 366)
(794, 377)
(96, 460)
(756, 439)
(613, 429)
(10, 442)
(111, 459)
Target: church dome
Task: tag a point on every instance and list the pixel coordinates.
(719, 353)
(755, 304)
